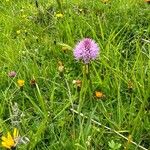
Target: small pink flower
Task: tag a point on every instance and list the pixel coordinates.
(12, 74)
(86, 50)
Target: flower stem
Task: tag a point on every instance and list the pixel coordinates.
(87, 72)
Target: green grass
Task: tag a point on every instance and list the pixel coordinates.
(31, 42)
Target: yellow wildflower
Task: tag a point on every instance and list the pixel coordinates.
(18, 31)
(24, 16)
(10, 141)
(99, 94)
(59, 15)
(20, 83)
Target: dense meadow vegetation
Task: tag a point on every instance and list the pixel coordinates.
(51, 101)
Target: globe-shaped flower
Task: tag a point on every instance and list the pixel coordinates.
(86, 50)
(12, 74)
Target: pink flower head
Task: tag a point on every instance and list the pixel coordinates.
(12, 74)
(86, 50)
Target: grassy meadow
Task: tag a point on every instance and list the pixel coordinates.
(49, 98)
